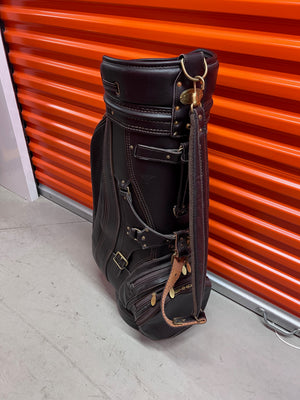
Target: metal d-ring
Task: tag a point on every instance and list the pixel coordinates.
(197, 78)
(193, 96)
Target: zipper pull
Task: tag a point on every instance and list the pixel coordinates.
(184, 270)
(153, 299)
(188, 267)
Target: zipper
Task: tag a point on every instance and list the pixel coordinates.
(157, 277)
(151, 276)
(149, 262)
(153, 288)
(148, 308)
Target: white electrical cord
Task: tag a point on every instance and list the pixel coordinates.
(284, 341)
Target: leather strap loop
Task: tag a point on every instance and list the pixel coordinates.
(141, 232)
(173, 278)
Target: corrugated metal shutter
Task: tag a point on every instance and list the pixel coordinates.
(55, 49)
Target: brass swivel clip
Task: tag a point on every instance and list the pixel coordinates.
(193, 96)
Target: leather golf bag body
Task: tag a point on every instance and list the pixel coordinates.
(150, 189)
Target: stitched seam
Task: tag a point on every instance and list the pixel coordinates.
(142, 109)
(145, 120)
(151, 66)
(137, 128)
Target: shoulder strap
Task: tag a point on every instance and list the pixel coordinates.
(198, 224)
(198, 205)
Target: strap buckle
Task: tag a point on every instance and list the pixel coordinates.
(120, 260)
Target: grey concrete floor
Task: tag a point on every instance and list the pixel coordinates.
(61, 337)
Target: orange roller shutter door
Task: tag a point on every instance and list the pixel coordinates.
(55, 49)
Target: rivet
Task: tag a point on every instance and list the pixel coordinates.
(188, 126)
(143, 238)
(146, 230)
(122, 181)
(168, 156)
(175, 133)
(176, 122)
(179, 84)
(200, 117)
(112, 112)
(144, 246)
(177, 108)
(128, 227)
(200, 129)
(131, 147)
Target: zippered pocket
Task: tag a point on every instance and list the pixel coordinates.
(150, 279)
(149, 305)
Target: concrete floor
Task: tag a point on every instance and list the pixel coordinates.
(61, 337)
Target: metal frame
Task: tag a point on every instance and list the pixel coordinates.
(66, 202)
(15, 165)
(275, 315)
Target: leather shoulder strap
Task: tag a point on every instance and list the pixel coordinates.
(198, 204)
(198, 223)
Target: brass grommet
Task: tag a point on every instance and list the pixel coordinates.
(143, 237)
(179, 84)
(177, 108)
(188, 126)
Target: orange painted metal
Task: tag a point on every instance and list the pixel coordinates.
(266, 44)
(267, 8)
(55, 49)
